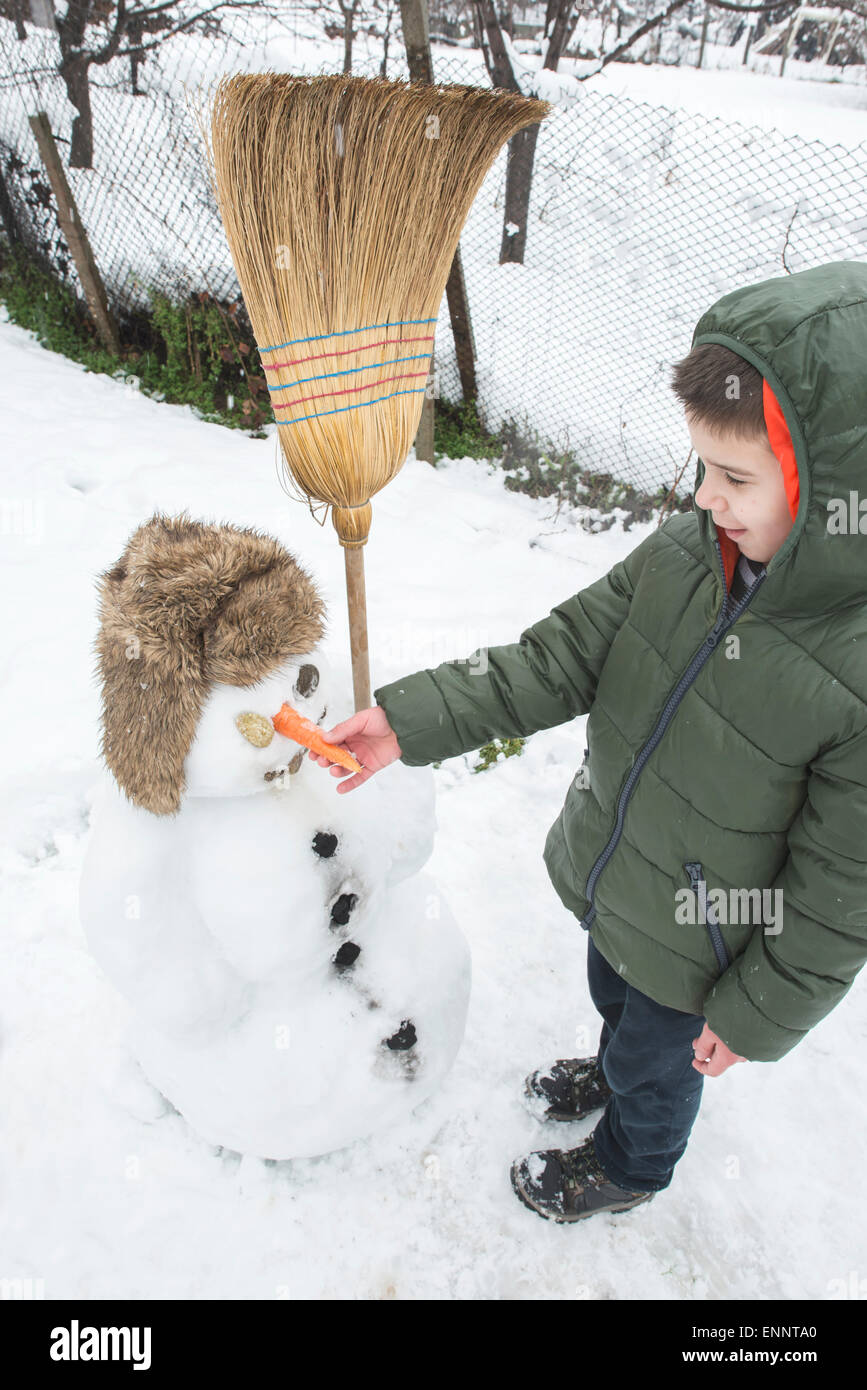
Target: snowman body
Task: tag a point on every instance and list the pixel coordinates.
(295, 982)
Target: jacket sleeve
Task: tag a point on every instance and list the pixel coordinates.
(795, 971)
(546, 678)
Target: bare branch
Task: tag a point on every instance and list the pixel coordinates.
(636, 34)
(655, 20)
(167, 33)
(145, 11)
(105, 55)
(750, 9)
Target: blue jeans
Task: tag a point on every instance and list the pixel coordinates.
(645, 1055)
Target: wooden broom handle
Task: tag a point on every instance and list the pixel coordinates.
(357, 605)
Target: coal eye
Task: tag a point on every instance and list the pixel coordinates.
(308, 679)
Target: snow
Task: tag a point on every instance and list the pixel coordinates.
(108, 1193)
(646, 193)
(796, 104)
(812, 101)
(217, 927)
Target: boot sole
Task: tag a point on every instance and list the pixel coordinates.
(576, 1216)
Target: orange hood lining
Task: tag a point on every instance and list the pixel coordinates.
(784, 449)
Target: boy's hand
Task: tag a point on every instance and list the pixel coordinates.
(371, 741)
(712, 1057)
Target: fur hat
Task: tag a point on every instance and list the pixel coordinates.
(188, 605)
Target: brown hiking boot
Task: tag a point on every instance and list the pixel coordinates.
(569, 1185)
(569, 1089)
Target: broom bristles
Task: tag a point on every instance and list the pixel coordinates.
(343, 200)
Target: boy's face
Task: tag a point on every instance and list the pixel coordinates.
(743, 489)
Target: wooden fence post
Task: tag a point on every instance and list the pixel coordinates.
(76, 236)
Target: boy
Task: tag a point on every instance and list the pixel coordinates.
(723, 666)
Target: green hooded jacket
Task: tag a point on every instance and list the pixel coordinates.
(726, 744)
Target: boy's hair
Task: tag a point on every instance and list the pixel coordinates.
(721, 391)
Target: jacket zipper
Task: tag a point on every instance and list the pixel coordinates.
(708, 913)
(704, 652)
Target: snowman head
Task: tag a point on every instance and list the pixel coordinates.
(199, 624)
(236, 750)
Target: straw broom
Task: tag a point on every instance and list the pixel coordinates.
(343, 200)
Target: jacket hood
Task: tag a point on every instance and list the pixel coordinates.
(187, 606)
(807, 335)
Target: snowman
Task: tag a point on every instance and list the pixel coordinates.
(294, 981)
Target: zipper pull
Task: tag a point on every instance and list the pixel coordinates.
(708, 913)
(582, 776)
(693, 868)
(699, 886)
(698, 883)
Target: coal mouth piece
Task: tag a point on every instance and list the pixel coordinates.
(292, 766)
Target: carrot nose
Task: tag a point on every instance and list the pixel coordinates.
(293, 725)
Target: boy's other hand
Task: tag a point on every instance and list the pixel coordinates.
(371, 741)
(712, 1057)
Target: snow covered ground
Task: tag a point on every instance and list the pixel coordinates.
(795, 104)
(655, 191)
(812, 100)
(102, 1198)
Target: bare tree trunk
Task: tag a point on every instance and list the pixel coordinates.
(383, 67)
(74, 72)
(522, 147)
(560, 32)
(787, 41)
(21, 14)
(751, 33)
(348, 13)
(7, 212)
(135, 30)
(573, 24)
(477, 28)
(416, 38)
(519, 181)
(496, 57)
(73, 68)
(704, 24)
(416, 42)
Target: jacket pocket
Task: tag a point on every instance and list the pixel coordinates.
(708, 913)
(581, 779)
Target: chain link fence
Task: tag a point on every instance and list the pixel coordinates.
(639, 218)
